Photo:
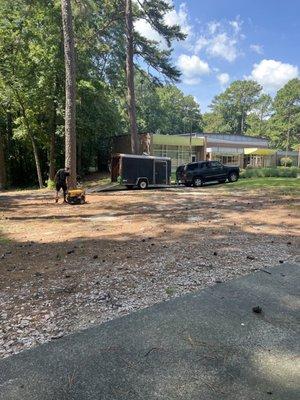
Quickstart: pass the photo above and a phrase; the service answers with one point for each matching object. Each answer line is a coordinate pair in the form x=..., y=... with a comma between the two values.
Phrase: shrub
x=274, y=172
x=286, y=161
x=50, y=184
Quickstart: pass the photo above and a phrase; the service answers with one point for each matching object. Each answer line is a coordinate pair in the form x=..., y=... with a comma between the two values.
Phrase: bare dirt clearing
x=68, y=267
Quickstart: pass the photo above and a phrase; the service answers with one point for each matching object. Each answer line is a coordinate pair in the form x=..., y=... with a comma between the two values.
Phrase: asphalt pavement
x=202, y=346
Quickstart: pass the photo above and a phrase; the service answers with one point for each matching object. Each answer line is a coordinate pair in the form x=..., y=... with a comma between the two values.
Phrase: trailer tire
x=143, y=184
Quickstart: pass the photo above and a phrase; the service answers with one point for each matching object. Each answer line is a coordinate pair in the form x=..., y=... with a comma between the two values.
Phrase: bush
x=286, y=161
x=274, y=172
x=50, y=184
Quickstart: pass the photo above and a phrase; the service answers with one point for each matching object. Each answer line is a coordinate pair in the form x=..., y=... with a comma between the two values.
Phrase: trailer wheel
x=143, y=184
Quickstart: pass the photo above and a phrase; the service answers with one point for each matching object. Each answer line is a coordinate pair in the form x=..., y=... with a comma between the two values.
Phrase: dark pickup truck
x=197, y=173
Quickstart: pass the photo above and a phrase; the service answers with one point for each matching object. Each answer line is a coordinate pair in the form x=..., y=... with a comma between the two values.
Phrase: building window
x=227, y=159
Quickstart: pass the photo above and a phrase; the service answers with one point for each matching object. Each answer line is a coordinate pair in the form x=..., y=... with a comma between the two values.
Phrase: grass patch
x=170, y=291
x=283, y=185
x=4, y=240
x=102, y=181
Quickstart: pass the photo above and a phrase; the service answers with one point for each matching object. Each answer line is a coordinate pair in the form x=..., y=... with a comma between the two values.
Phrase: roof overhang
x=177, y=140
x=259, y=152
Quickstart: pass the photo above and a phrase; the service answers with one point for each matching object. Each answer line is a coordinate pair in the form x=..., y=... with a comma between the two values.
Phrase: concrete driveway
x=207, y=345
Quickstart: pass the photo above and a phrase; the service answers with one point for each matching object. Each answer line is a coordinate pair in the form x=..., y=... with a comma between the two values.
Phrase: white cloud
x=180, y=18
x=213, y=26
x=221, y=39
x=257, y=48
x=200, y=44
x=223, y=78
x=223, y=46
x=236, y=24
x=272, y=74
x=192, y=68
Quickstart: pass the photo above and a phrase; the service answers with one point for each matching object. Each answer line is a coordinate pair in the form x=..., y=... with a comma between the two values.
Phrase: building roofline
x=143, y=156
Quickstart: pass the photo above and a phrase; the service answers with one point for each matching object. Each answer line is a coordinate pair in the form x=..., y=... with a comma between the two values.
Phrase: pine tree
x=152, y=11
x=70, y=78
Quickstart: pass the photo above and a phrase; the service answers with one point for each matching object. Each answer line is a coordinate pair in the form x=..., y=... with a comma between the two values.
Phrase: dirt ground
x=63, y=268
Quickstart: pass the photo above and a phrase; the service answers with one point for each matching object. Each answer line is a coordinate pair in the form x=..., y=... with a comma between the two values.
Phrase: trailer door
x=161, y=172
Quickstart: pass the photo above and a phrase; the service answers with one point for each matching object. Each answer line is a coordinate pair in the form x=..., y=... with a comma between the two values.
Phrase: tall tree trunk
x=34, y=147
x=79, y=156
x=70, y=107
x=2, y=164
x=130, y=77
x=53, y=143
x=37, y=161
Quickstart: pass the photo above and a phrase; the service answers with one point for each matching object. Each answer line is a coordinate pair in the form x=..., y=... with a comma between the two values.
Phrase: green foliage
x=235, y=103
x=32, y=77
x=270, y=172
x=286, y=161
x=50, y=184
x=165, y=109
x=284, y=125
x=214, y=122
x=32, y=86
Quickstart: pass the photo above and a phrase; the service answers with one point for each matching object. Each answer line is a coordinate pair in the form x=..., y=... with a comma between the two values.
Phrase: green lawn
x=284, y=185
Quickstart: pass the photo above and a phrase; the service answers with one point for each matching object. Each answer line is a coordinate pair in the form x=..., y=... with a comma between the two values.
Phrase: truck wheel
x=197, y=182
x=233, y=177
x=187, y=184
x=222, y=181
x=143, y=184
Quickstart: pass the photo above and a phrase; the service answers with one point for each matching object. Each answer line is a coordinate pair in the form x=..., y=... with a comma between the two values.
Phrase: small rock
x=215, y=253
x=281, y=261
x=250, y=258
x=70, y=251
x=289, y=243
x=257, y=310
x=95, y=256
x=58, y=336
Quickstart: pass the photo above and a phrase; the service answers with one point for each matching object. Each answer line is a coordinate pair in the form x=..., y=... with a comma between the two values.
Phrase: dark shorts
x=62, y=186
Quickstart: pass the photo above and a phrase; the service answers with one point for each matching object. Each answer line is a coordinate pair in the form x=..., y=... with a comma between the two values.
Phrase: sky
x=233, y=39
